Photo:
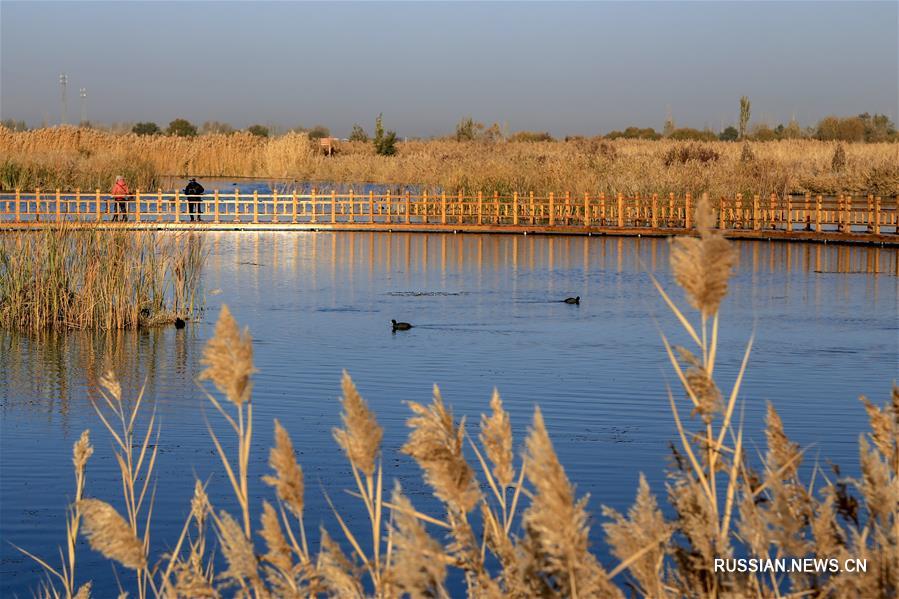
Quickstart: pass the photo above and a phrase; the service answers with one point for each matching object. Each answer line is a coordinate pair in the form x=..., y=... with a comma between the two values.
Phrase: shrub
x=468, y=129
x=216, y=127
x=181, y=128
x=318, y=132
x=729, y=134
x=258, y=130
x=839, y=158
x=683, y=154
x=148, y=128
x=635, y=133
x=385, y=141
x=358, y=134
x=531, y=136
x=688, y=134
x=746, y=154
x=834, y=128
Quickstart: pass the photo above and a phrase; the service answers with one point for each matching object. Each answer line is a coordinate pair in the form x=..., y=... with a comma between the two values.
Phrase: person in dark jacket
x=194, y=192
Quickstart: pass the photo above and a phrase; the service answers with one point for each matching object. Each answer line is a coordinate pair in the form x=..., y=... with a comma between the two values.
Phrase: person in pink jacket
x=120, y=193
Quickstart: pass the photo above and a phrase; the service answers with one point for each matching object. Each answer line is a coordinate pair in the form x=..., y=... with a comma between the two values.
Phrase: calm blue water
x=487, y=314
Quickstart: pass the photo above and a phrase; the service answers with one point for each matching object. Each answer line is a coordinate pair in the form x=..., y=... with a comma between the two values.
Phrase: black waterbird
x=573, y=300
x=401, y=326
x=179, y=323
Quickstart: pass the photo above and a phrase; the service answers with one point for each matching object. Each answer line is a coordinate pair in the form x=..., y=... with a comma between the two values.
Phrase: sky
x=563, y=67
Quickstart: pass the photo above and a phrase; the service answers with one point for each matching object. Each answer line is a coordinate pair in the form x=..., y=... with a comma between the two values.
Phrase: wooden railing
x=846, y=214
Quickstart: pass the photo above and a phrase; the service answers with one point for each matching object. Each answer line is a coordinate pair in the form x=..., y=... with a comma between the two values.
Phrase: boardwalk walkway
x=842, y=219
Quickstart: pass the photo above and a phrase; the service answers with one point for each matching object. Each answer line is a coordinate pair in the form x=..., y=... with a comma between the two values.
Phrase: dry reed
x=62, y=278
x=68, y=157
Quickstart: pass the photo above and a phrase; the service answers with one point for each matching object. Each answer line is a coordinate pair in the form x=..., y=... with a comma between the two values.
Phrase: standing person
x=194, y=191
x=120, y=193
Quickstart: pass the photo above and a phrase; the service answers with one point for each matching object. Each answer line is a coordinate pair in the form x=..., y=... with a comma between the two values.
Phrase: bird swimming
x=179, y=323
x=401, y=326
x=573, y=300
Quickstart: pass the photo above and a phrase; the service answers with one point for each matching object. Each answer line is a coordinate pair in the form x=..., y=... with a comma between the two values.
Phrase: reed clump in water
x=512, y=523
x=63, y=278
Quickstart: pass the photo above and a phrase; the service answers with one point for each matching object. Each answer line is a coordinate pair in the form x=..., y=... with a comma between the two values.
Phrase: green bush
x=147, y=128
x=181, y=128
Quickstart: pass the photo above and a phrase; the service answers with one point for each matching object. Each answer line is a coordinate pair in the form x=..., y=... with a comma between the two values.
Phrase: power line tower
x=83, y=94
x=63, y=80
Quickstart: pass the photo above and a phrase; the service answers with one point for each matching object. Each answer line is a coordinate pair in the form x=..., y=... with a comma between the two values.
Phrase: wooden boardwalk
x=841, y=219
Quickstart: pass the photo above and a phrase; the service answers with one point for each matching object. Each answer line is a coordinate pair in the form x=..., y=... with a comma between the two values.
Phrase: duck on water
x=573, y=300
x=400, y=326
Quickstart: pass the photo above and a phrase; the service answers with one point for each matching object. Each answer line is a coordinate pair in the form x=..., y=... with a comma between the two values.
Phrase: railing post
x=602, y=209
x=424, y=216
x=159, y=204
x=818, y=200
x=274, y=205
x=37, y=204
x=480, y=206
x=771, y=215
x=137, y=205
x=460, y=203
x=738, y=211
x=688, y=211
x=177, y=206
x=756, y=200
x=849, y=213
x=371, y=206
x=670, y=209
x=78, y=203
x=18, y=206
x=531, y=202
x=654, y=217
x=333, y=206
x=255, y=206
x=567, y=206
x=870, y=218
x=586, y=208
x=58, y=207
x=408, y=211
x=215, y=208
x=237, y=204
x=352, y=207
x=808, y=211
x=496, y=207
x=789, y=212
x=722, y=216
x=620, y=210
x=877, y=215
x=97, y=204
x=443, y=207
x=312, y=202
x=388, y=199
x=552, y=209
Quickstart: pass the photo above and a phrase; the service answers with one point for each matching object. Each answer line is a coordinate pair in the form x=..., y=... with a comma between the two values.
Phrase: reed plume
x=288, y=479
x=436, y=444
x=228, y=358
x=703, y=266
x=558, y=524
x=496, y=437
x=109, y=534
x=361, y=436
x=419, y=562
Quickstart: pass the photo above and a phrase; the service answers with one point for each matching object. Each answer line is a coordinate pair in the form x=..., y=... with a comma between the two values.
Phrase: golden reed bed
x=512, y=524
x=68, y=157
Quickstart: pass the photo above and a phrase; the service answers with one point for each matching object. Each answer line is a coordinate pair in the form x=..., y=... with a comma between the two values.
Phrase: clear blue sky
x=563, y=67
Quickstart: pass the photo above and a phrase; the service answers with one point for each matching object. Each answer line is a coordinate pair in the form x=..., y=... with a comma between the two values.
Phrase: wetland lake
x=487, y=313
